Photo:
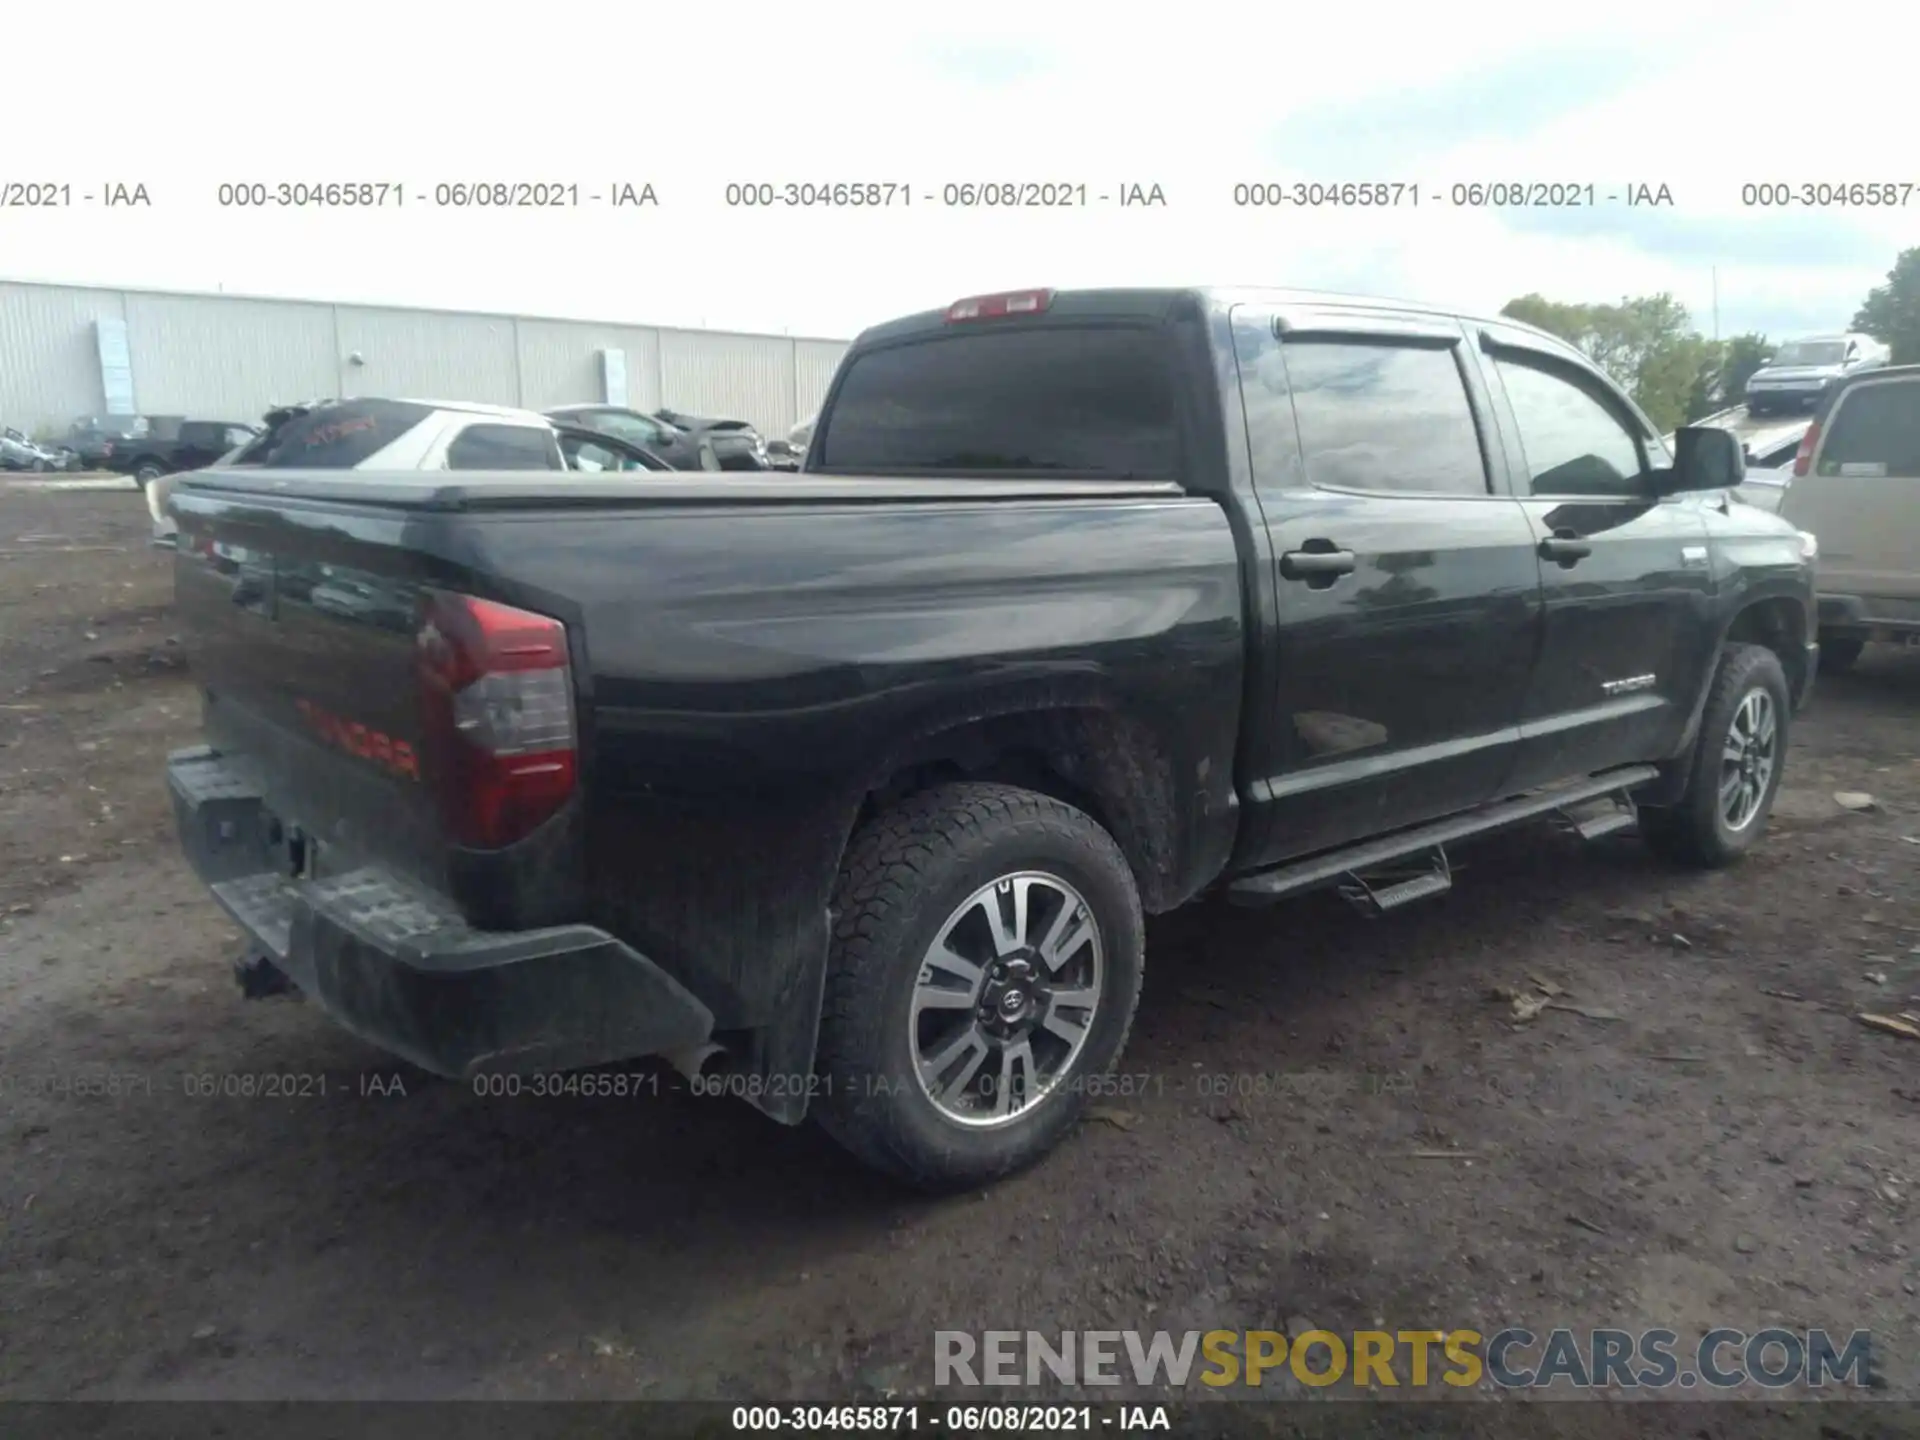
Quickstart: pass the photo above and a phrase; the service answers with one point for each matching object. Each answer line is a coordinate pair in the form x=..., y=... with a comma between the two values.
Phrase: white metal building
x=68, y=351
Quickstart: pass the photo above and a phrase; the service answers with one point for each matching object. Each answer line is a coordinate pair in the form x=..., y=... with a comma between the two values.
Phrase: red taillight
x=497, y=702
x=994, y=307
x=107, y=449
x=1803, y=457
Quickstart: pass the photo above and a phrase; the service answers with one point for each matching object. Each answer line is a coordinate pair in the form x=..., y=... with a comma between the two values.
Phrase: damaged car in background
x=686, y=442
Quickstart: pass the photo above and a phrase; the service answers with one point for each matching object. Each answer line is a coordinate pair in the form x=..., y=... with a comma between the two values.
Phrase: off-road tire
x=904, y=875
x=1694, y=831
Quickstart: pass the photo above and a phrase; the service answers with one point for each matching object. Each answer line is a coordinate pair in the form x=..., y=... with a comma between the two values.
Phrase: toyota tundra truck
x=855, y=783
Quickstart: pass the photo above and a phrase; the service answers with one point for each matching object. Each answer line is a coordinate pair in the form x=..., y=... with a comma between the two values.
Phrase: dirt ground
x=1716, y=1141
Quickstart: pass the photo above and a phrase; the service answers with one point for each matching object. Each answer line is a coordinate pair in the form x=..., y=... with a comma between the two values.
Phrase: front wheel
x=1735, y=769
x=147, y=472
x=986, y=960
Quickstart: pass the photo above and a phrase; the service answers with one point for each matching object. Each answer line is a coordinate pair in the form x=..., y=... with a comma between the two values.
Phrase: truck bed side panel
x=747, y=670
x=754, y=672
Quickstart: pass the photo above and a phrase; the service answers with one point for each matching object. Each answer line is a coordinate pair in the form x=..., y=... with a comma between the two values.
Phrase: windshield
x=640, y=430
x=1093, y=401
x=1811, y=352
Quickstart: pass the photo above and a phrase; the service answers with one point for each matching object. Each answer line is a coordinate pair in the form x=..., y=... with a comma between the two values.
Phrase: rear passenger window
x=1574, y=443
x=1375, y=415
x=334, y=437
x=504, y=447
x=1875, y=431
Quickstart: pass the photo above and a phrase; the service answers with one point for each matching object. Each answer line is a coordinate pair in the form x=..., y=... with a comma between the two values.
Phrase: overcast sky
x=1195, y=97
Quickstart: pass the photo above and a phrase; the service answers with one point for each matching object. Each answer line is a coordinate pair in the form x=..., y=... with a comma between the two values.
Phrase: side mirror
x=1705, y=458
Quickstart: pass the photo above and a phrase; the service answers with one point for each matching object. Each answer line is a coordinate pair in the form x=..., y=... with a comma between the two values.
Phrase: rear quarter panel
x=751, y=674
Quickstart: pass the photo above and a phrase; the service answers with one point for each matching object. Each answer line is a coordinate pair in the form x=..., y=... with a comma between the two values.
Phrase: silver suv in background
x=1801, y=370
x=1856, y=486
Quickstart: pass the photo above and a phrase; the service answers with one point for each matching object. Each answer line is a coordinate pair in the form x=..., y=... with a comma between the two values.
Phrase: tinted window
x=1380, y=416
x=1575, y=444
x=504, y=447
x=1875, y=425
x=334, y=437
x=1062, y=401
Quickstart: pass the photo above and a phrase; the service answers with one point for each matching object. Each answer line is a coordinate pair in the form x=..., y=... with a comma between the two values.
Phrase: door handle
x=1321, y=565
x=1565, y=547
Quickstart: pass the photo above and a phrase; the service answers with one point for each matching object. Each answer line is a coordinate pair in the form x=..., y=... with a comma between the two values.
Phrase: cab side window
x=1575, y=443
x=1373, y=414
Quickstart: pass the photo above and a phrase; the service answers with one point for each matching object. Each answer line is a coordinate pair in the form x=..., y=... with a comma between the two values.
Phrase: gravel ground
x=1698, y=1131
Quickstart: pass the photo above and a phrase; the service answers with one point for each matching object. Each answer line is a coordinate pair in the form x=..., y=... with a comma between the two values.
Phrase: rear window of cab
x=1068, y=401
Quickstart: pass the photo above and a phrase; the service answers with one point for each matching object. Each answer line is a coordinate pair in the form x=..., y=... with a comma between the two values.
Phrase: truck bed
x=750, y=657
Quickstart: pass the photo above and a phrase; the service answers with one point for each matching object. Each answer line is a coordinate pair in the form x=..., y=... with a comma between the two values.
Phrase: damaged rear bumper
x=398, y=966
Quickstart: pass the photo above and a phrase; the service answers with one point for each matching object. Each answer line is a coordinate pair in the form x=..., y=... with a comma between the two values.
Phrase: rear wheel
x=986, y=961
x=147, y=471
x=1839, y=652
x=1736, y=765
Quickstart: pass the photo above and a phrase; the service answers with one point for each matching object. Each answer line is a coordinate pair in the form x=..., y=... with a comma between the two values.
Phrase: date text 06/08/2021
x=1002, y=194
x=1119, y=1085
x=1461, y=194
x=957, y=1419
x=478, y=194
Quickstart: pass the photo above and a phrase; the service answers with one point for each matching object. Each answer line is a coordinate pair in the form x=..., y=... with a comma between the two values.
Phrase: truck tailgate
x=305, y=654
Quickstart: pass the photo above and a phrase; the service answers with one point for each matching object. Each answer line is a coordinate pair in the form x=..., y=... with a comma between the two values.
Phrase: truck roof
x=1152, y=303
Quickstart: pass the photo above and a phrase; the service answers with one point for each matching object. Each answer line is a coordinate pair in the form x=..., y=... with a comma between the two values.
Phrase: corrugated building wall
x=223, y=357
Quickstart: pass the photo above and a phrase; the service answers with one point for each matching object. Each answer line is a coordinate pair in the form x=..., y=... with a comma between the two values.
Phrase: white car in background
x=374, y=434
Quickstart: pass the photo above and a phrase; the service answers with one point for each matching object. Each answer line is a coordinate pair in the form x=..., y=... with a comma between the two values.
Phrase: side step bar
x=1434, y=874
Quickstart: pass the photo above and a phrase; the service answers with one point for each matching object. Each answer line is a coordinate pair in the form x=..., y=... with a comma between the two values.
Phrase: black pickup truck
x=847, y=790
x=171, y=447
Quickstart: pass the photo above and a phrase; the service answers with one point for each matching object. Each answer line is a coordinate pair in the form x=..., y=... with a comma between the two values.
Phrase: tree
x=1569, y=322
x=1892, y=311
x=1646, y=343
